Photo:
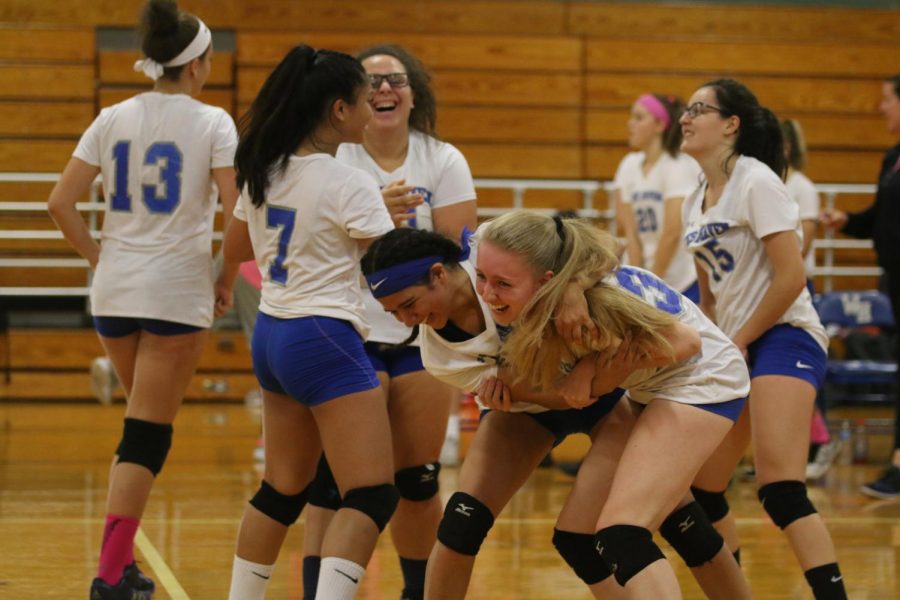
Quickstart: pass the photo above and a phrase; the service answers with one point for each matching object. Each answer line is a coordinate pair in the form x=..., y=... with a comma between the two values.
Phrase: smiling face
x=505, y=282
x=392, y=105
x=426, y=304
x=709, y=132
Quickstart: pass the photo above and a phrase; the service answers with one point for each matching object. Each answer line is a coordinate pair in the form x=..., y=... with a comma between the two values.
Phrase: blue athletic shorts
x=788, y=350
x=730, y=410
x=394, y=361
x=692, y=292
x=311, y=359
x=116, y=327
x=563, y=423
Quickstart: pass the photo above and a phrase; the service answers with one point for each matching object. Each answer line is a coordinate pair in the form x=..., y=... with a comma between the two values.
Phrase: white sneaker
x=824, y=458
x=103, y=380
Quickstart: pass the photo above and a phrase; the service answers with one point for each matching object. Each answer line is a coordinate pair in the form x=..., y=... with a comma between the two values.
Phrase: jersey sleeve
x=88, y=148
x=807, y=199
x=454, y=182
x=362, y=209
x=241, y=208
x=624, y=174
x=224, y=142
x=769, y=207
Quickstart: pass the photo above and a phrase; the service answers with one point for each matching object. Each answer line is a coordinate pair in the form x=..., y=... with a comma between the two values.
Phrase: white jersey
x=438, y=172
x=804, y=192
x=727, y=240
x=304, y=238
x=464, y=365
x=717, y=374
x=647, y=194
x=155, y=152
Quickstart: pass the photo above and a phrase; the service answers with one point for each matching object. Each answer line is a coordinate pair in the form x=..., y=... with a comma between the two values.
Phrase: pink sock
x=117, y=550
x=818, y=434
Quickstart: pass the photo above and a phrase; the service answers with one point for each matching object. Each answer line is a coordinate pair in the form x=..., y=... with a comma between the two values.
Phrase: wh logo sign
x=859, y=309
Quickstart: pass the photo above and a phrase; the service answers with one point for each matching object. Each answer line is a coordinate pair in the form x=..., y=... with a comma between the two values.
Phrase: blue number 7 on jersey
x=276, y=217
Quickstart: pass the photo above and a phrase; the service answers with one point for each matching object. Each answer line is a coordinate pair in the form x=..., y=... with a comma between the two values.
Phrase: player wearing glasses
x=426, y=184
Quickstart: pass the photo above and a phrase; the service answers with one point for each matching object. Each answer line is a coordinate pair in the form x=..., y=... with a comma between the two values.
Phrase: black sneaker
x=100, y=590
x=137, y=580
x=885, y=487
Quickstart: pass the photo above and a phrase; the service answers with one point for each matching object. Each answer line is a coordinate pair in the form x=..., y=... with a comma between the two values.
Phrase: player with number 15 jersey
x=157, y=231
x=727, y=241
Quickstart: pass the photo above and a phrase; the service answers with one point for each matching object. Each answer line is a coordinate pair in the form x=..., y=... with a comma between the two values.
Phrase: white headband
x=197, y=47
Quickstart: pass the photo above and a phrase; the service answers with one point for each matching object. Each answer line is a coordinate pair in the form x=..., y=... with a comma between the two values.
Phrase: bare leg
x=505, y=451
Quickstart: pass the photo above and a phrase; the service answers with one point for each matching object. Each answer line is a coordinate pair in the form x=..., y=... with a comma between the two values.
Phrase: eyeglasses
x=698, y=108
x=395, y=80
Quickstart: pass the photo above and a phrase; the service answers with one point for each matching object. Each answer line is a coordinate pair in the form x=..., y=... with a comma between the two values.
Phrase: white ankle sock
x=249, y=580
x=338, y=579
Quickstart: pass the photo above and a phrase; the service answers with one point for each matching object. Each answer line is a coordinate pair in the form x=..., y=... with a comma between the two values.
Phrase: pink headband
x=655, y=108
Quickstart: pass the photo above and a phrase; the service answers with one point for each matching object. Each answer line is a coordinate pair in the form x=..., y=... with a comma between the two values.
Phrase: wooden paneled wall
x=525, y=88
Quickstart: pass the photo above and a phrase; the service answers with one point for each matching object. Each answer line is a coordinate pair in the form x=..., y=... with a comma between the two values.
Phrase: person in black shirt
x=881, y=222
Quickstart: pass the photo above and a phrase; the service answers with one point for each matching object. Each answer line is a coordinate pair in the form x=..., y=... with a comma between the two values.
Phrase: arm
x=809, y=234
x=669, y=238
x=628, y=229
x=707, y=300
x=74, y=183
x=789, y=279
x=450, y=220
x=236, y=249
x=228, y=192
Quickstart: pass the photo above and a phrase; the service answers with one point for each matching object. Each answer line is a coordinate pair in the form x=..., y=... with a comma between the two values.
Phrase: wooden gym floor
x=54, y=460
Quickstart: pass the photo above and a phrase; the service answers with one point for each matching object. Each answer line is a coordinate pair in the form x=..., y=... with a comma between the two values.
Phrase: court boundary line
x=164, y=574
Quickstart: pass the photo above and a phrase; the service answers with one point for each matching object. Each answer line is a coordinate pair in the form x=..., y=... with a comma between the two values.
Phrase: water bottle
x=846, y=434
x=860, y=444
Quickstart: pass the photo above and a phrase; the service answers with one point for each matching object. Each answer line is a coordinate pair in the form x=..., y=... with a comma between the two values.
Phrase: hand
x=572, y=319
x=575, y=388
x=833, y=218
x=494, y=394
x=400, y=202
x=224, y=299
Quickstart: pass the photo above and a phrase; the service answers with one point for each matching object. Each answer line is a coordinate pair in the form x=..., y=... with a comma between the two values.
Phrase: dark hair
x=423, y=116
x=403, y=245
x=293, y=101
x=759, y=134
x=671, y=136
x=165, y=31
x=794, y=144
x=895, y=80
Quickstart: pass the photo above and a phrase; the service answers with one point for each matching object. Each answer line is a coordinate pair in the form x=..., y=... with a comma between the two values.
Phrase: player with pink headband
x=165, y=159
x=648, y=189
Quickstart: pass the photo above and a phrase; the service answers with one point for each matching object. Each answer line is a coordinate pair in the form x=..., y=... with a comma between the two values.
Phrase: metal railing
x=518, y=188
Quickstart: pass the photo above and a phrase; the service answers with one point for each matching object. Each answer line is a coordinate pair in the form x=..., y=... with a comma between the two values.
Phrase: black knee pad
x=377, y=501
x=577, y=549
x=323, y=491
x=465, y=524
x=691, y=535
x=418, y=483
x=145, y=443
x=785, y=501
x=277, y=506
x=627, y=550
x=714, y=504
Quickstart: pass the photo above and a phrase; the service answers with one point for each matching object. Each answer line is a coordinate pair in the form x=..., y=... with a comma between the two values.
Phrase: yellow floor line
x=164, y=575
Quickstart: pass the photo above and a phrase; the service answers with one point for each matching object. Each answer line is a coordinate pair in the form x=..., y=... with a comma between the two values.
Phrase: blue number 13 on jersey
x=284, y=218
x=168, y=157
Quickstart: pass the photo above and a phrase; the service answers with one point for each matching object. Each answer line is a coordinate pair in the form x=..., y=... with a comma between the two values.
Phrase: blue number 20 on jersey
x=162, y=197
